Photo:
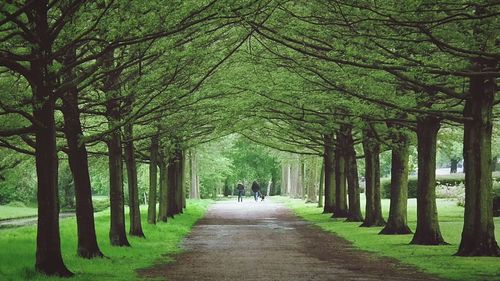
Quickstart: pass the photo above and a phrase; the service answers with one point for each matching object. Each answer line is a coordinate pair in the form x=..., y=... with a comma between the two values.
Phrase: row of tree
x=84, y=78
x=386, y=75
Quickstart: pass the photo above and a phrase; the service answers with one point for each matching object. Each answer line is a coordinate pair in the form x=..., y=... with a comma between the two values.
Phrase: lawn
x=10, y=212
x=17, y=255
x=438, y=260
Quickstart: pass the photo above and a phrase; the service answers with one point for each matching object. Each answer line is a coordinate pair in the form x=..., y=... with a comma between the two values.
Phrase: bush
x=18, y=204
x=496, y=198
x=450, y=191
x=385, y=187
x=447, y=184
x=100, y=204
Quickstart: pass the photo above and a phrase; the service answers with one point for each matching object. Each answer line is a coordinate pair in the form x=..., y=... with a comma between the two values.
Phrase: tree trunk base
x=433, y=239
x=137, y=233
x=339, y=214
x=354, y=218
x=489, y=249
x=373, y=223
x=59, y=270
x=119, y=242
x=395, y=230
x=327, y=210
x=89, y=253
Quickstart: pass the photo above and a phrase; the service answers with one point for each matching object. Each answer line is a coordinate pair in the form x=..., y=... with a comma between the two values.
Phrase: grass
x=437, y=260
x=17, y=255
x=11, y=212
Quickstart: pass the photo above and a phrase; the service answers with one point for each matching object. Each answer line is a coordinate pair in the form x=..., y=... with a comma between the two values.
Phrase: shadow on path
x=266, y=241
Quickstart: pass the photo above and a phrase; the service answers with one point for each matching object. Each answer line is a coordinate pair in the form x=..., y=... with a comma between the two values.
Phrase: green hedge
x=449, y=180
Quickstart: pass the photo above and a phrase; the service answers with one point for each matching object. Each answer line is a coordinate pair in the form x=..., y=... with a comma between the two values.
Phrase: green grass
x=17, y=254
x=438, y=260
x=10, y=212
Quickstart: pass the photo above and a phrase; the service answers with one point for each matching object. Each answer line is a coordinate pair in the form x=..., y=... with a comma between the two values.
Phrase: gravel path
x=266, y=241
x=12, y=223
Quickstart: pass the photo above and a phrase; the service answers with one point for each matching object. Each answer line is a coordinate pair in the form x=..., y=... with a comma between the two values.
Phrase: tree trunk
x=172, y=186
x=48, y=247
x=478, y=236
x=329, y=163
x=301, y=179
x=162, y=212
x=373, y=211
x=397, y=221
x=321, y=185
x=178, y=181
x=340, y=209
x=294, y=179
x=194, y=192
x=153, y=179
x=78, y=162
x=311, y=179
x=427, y=231
x=454, y=165
x=117, y=234
x=354, y=211
x=133, y=188
x=183, y=180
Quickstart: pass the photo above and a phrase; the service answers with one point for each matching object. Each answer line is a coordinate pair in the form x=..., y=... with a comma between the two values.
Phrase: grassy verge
x=10, y=212
x=17, y=255
x=438, y=260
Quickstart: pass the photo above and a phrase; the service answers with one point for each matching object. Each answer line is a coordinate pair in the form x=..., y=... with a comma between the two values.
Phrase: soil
x=266, y=241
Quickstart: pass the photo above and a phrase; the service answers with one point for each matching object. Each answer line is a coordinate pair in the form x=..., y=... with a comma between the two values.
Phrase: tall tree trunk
x=454, y=165
x=117, y=234
x=373, y=213
x=427, y=231
x=180, y=180
x=78, y=162
x=48, y=247
x=172, y=186
x=133, y=188
x=311, y=179
x=354, y=211
x=478, y=236
x=294, y=179
x=194, y=191
x=321, y=189
x=301, y=179
x=340, y=210
x=397, y=221
x=153, y=179
x=183, y=180
x=329, y=163
x=162, y=212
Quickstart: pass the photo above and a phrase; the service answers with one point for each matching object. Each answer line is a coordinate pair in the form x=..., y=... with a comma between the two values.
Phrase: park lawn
x=17, y=255
x=437, y=260
x=11, y=212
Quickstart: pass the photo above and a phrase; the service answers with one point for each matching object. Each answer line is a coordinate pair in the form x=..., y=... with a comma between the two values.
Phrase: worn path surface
x=266, y=241
x=18, y=222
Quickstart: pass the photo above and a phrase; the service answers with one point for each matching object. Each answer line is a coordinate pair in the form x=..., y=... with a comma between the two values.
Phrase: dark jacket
x=240, y=187
x=255, y=186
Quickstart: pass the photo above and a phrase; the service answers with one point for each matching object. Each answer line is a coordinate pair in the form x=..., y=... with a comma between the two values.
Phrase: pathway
x=18, y=222
x=266, y=241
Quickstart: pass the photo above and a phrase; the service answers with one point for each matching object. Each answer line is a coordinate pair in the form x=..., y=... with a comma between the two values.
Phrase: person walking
x=256, y=190
x=241, y=191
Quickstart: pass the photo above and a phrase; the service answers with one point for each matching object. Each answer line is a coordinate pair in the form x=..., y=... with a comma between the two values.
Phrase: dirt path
x=12, y=223
x=265, y=241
